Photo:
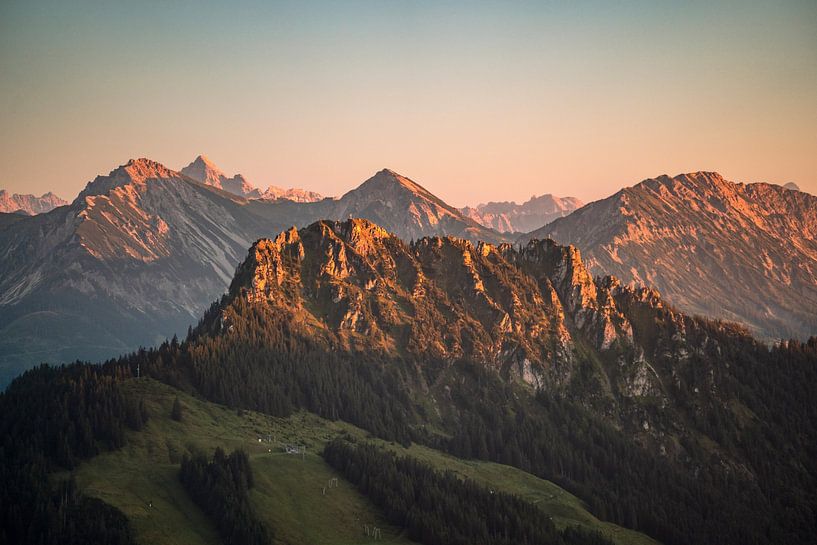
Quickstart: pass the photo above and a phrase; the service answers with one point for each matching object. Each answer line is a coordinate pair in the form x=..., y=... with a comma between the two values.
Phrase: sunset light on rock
x=447, y=273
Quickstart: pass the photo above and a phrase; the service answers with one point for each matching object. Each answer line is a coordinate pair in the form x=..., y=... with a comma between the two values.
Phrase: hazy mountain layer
x=205, y=171
x=509, y=217
x=29, y=204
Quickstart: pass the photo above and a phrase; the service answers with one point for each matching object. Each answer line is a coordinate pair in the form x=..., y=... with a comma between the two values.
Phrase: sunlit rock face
x=743, y=252
x=521, y=310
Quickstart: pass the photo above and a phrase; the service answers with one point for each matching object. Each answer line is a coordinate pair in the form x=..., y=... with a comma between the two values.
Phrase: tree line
x=52, y=418
x=439, y=508
x=220, y=487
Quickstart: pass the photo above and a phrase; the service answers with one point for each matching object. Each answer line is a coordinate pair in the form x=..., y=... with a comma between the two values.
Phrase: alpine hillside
x=743, y=252
x=133, y=260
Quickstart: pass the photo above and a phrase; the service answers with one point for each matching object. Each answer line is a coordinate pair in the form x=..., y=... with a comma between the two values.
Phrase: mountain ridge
x=29, y=204
x=508, y=217
x=743, y=252
x=203, y=170
x=148, y=249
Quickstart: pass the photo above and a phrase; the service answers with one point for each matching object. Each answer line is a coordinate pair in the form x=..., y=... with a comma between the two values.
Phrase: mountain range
x=509, y=217
x=205, y=171
x=361, y=345
x=142, y=251
x=28, y=204
x=149, y=248
x=741, y=252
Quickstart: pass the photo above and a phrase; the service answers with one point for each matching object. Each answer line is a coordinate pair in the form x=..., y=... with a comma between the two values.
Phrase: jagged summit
x=441, y=295
x=135, y=171
x=510, y=217
x=203, y=170
x=29, y=205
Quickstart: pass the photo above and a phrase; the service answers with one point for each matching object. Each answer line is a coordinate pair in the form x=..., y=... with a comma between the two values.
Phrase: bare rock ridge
x=522, y=310
x=28, y=204
x=743, y=252
x=509, y=217
x=205, y=171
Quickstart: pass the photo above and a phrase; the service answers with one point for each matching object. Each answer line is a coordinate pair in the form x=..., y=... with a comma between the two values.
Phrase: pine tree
x=176, y=412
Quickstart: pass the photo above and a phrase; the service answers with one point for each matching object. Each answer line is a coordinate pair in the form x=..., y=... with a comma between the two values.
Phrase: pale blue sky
x=476, y=101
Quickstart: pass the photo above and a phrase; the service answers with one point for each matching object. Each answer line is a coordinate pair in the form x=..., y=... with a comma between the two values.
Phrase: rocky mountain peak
x=135, y=171
x=403, y=206
x=363, y=286
x=389, y=180
x=203, y=170
x=691, y=236
x=139, y=170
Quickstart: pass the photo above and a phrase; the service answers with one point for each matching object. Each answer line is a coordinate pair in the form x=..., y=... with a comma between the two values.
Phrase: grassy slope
x=289, y=489
x=563, y=507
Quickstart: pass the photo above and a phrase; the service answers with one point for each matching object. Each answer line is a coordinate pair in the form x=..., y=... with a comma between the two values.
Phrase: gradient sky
x=475, y=101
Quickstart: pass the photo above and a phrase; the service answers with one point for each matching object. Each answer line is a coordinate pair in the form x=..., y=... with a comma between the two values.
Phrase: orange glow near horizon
x=474, y=104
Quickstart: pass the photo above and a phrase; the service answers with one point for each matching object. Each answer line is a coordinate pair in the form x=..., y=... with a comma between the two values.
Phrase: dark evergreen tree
x=220, y=487
x=176, y=411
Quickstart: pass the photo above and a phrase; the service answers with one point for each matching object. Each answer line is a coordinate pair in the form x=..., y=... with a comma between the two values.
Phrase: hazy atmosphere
x=491, y=101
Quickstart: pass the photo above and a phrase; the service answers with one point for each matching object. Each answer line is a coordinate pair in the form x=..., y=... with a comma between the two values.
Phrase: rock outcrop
x=521, y=310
